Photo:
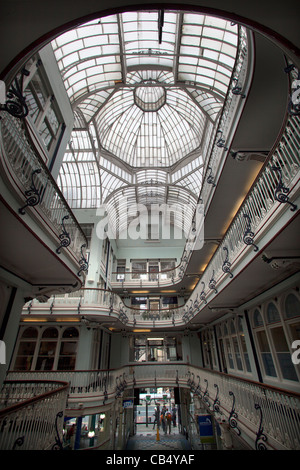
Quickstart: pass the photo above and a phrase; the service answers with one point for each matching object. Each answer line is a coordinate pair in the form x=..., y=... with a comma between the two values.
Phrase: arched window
x=68, y=349
x=26, y=349
x=257, y=319
x=272, y=313
x=292, y=306
x=274, y=339
x=47, y=349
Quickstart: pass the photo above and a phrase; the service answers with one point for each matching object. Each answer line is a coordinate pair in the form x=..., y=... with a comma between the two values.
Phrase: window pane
x=25, y=355
x=283, y=354
x=29, y=333
x=292, y=306
x=266, y=354
x=46, y=355
x=272, y=313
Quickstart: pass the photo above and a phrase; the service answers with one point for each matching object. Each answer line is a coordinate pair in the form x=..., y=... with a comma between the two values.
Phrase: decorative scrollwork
x=198, y=390
x=249, y=235
x=281, y=190
x=210, y=178
x=232, y=420
x=58, y=444
x=206, y=394
x=33, y=194
x=260, y=436
x=83, y=262
x=237, y=90
x=216, y=403
x=16, y=103
x=221, y=141
x=64, y=237
x=18, y=442
x=202, y=293
x=226, y=264
x=212, y=283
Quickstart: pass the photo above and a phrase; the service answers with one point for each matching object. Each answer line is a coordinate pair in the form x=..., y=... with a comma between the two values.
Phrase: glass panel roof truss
x=143, y=108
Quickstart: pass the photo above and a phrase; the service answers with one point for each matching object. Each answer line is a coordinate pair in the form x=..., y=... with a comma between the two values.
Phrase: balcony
x=35, y=214
x=264, y=417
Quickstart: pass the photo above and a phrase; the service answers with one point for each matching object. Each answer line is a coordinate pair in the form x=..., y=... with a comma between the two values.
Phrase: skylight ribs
x=153, y=104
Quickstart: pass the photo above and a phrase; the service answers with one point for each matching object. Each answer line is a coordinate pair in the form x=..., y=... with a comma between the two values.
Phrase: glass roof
x=147, y=89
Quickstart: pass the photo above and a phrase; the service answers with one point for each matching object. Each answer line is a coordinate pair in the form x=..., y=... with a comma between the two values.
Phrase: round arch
x=33, y=24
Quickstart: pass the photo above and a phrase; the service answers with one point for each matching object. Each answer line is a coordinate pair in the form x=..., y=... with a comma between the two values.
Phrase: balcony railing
x=34, y=185
x=33, y=415
x=268, y=416
x=105, y=302
x=271, y=191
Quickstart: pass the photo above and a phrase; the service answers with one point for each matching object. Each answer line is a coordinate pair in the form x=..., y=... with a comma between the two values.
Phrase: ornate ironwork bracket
x=58, y=444
x=64, y=237
x=33, y=194
x=206, y=394
x=232, y=420
x=83, y=262
x=260, y=436
x=226, y=264
x=216, y=403
x=212, y=283
x=221, y=141
x=202, y=293
x=16, y=103
x=198, y=390
x=281, y=190
x=18, y=442
x=248, y=235
x=237, y=90
x=210, y=178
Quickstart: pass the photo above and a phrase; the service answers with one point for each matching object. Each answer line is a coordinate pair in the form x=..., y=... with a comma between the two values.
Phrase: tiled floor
x=148, y=439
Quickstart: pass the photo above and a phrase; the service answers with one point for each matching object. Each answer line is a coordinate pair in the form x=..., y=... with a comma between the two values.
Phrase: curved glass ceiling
x=147, y=90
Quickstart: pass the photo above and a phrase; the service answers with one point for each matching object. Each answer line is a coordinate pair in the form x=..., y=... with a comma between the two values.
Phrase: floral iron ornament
x=16, y=102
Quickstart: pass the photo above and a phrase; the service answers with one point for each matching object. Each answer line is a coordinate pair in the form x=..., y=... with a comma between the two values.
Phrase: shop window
x=139, y=270
x=68, y=349
x=47, y=349
x=266, y=354
x=243, y=345
x=283, y=354
x=26, y=349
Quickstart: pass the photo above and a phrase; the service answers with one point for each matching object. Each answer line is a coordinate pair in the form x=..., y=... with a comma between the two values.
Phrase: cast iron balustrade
x=30, y=177
x=268, y=416
x=33, y=415
x=260, y=205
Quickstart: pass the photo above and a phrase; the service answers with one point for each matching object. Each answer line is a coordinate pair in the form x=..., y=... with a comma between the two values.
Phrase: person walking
x=168, y=421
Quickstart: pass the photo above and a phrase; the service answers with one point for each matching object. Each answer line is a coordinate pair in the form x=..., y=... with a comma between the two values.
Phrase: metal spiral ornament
x=281, y=191
x=232, y=420
x=249, y=235
x=58, y=444
x=226, y=264
x=83, y=262
x=33, y=194
x=16, y=104
x=64, y=237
